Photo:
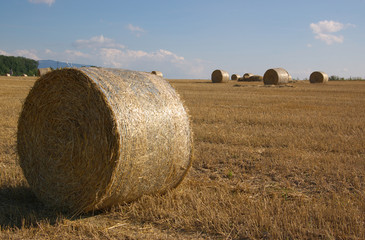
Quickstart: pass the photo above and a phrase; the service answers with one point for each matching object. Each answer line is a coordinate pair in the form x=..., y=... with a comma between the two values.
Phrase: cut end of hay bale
x=91, y=138
x=220, y=76
x=318, y=77
x=158, y=73
x=235, y=77
x=276, y=76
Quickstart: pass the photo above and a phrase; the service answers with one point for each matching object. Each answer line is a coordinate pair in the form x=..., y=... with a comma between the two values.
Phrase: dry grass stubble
x=274, y=163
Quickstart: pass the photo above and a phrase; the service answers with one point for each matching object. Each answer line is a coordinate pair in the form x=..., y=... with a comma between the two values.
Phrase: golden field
x=271, y=162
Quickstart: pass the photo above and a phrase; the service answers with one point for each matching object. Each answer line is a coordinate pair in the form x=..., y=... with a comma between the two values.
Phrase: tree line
x=18, y=66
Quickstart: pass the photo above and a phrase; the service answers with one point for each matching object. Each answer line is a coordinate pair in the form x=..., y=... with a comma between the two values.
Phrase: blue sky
x=191, y=38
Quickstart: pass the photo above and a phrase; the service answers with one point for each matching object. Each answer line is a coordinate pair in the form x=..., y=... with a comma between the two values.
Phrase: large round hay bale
x=255, y=78
x=276, y=76
x=219, y=76
x=158, y=73
x=318, y=77
x=235, y=77
x=90, y=138
x=43, y=71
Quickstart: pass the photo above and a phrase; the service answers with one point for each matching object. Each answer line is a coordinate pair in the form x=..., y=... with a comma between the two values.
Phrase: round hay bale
x=247, y=76
x=90, y=138
x=220, y=76
x=43, y=71
x=255, y=78
x=158, y=73
x=318, y=77
x=276, y=76
x=235, y=77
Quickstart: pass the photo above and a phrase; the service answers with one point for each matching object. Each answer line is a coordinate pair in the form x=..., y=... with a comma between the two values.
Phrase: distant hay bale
x=8, y=74
x=250, y=77
x=220, y=76
x=90, y=138
x=276, y=76
x=318, y=77
x=290, y=78
x=25, y=75
x=255, y=78
x=235, y=77
x=247, y=76
x=158, y=73
x=43, y=71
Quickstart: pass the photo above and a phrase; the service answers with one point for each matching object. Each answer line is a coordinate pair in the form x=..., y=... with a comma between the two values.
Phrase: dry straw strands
x=276, y=76
x=219, y=76
x=158, y=73
x=90, y=138
x=43, y=71
x=318, y=77
x=235, y=77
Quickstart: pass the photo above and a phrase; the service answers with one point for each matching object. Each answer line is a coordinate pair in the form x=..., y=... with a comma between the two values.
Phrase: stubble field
x=282, y=162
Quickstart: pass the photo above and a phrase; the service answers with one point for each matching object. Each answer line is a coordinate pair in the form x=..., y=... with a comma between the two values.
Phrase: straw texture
x=276, y=76
x=235, y=77
x=90, y=138
x=318, y=77
x=158, y=73
x=43, y=71
x=220, y=76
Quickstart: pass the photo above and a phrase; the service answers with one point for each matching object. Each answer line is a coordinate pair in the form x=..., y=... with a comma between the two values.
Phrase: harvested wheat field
x=270, y=162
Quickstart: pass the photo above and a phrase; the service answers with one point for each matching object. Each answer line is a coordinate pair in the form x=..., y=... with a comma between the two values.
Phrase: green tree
x=19, y=65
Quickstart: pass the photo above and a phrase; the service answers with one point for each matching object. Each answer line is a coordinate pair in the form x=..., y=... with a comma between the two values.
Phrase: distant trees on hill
x=17, y=66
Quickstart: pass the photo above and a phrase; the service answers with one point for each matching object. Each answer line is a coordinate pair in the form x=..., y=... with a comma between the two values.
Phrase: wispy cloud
x=97, y=42
x=136, y=30
x=49, y=2
x=107, y=52
x=32, y=54
x=2, y=52
x=325, y=31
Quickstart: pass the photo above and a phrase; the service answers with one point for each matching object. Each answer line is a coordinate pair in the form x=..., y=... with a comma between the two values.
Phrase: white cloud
x=32, y=54
x=106, y=52
x=2, y=52
x=49, y=2
x=73, y=53
x=97, y=42
x=48, y=51
x=329, y=38
x=324, y=31
x=136, y=30
x=309, y=45
x=163, y=60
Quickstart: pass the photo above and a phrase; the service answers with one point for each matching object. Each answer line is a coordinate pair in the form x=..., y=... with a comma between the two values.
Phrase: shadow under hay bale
x=91, y=138
x=318, y=77
x=220, y=76
x=276, y=76
x=158, y=73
